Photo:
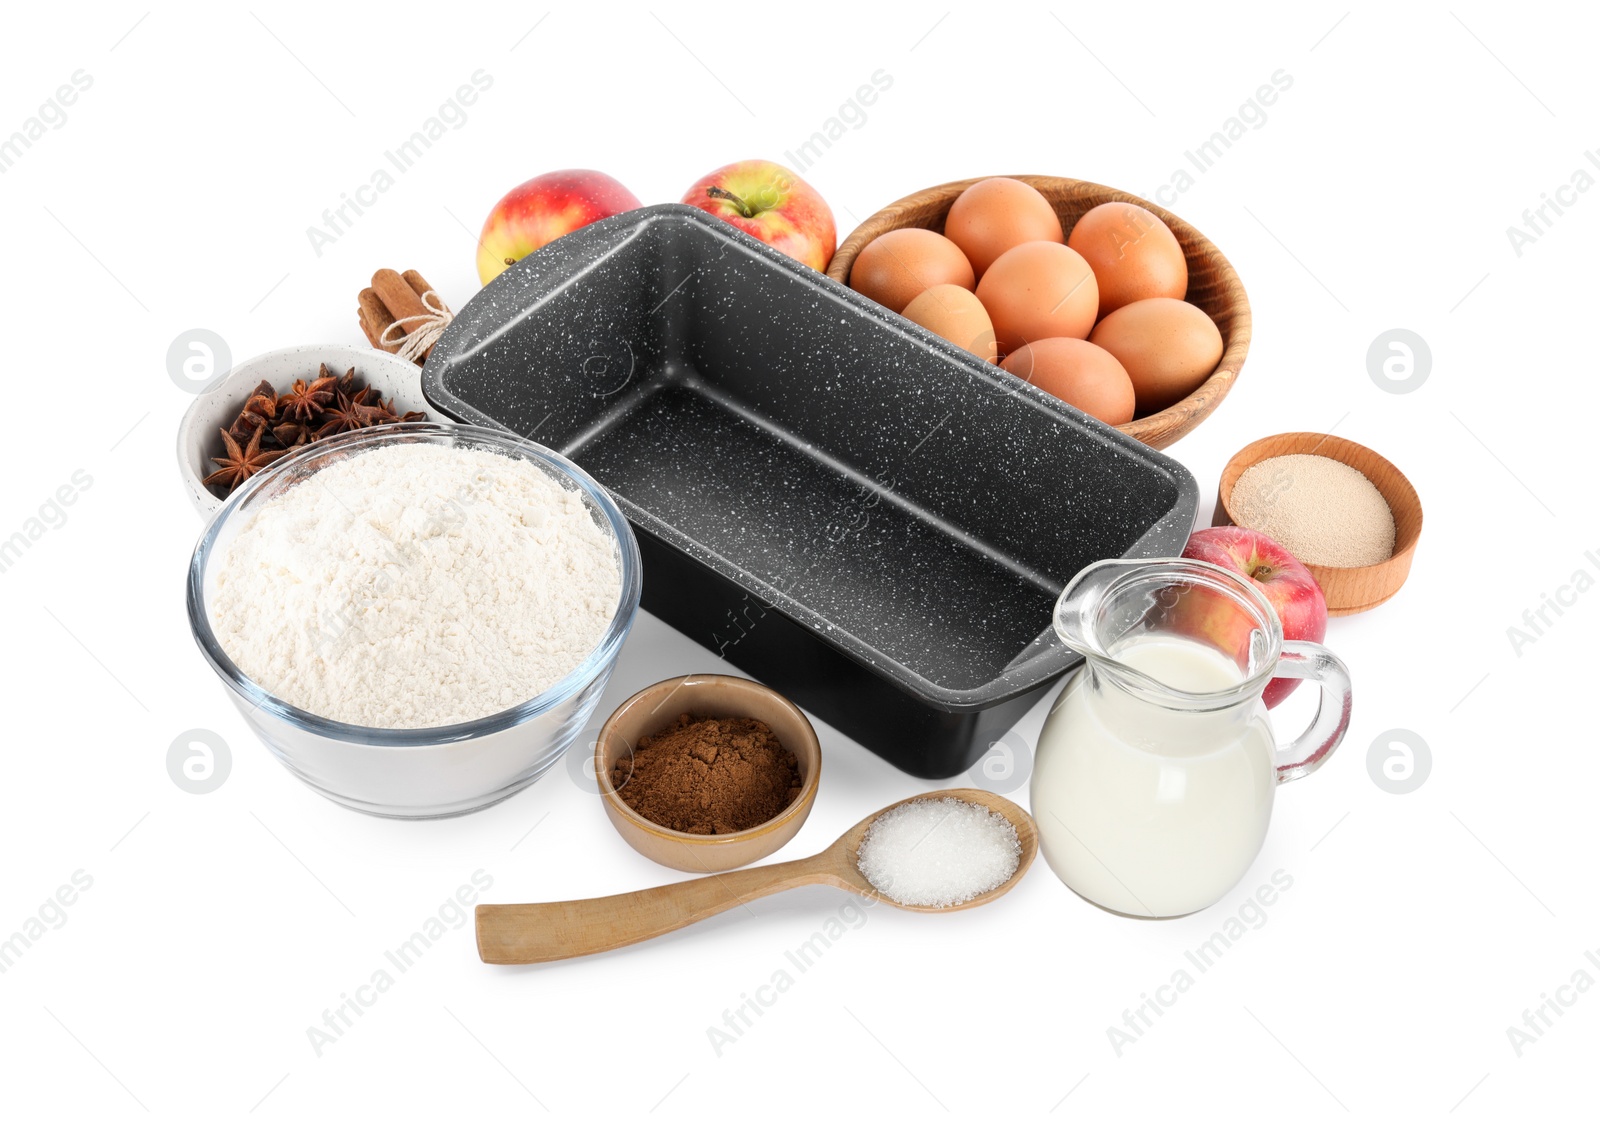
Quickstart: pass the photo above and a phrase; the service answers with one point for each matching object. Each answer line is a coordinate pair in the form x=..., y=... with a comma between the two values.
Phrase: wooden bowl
x=1348, y=589
x=1213, y=285
x=717, y=696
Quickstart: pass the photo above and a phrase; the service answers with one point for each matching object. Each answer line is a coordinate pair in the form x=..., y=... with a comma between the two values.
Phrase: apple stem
x=744, y=209
x=1261, y=573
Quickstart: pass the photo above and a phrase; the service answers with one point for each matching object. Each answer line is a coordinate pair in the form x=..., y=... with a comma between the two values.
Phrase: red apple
x=1288, y=586
x=769, y=202
x=538, y=212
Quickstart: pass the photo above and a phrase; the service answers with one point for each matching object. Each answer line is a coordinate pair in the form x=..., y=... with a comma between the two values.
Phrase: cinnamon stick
x=397, y=295
x=375, y=320
x=419, y=284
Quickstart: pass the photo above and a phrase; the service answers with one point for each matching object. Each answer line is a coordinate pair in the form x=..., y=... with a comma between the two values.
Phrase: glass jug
x=1156, y=768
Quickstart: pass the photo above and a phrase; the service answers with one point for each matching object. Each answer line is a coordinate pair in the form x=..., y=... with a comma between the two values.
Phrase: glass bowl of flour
x=417, y=619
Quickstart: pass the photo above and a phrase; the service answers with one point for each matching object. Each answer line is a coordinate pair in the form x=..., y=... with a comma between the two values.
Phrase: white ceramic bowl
x=428, y=772
x=198, y=434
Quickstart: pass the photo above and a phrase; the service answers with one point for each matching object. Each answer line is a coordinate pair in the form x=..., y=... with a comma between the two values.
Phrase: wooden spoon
x=537, y=933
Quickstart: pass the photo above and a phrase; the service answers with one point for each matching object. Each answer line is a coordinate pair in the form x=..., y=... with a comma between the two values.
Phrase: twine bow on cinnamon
x=402, y=314
x=413, y=337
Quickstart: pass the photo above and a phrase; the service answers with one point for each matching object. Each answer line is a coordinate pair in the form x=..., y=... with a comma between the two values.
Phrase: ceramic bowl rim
x=185, y=437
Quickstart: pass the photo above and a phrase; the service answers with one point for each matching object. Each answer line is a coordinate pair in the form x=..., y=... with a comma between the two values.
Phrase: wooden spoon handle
x=534, y=934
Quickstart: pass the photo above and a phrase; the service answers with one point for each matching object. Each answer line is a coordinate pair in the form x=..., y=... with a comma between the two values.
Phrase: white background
x=219, y=927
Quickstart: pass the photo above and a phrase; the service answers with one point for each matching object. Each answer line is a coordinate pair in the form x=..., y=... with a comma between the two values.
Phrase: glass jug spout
x=1078, y=606
x=1117, y=603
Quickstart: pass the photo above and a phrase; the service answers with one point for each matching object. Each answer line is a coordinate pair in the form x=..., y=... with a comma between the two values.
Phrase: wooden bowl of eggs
x=1108, y=301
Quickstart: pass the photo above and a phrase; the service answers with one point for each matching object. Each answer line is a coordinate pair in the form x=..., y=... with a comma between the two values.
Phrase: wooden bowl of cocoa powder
x=722, y=751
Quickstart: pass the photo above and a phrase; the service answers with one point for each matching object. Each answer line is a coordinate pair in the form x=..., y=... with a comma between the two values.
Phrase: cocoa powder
x=709, y=776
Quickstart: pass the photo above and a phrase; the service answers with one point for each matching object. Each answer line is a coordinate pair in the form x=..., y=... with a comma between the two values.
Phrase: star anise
x=306, y=400
x=384, y=412
x=292, y=434
x=241, y=464
x=376, y=415
x=272, y=425
x=260, y=409
x=348, y=412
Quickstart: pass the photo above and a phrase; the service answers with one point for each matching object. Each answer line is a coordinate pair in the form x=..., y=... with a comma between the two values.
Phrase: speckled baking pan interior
x=811, y=476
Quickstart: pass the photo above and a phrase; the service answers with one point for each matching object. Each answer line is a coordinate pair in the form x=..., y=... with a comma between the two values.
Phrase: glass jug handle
x=1301, y=659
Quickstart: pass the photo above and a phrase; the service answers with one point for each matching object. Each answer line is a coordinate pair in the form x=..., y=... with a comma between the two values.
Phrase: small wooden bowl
x=719, y=696
x=1348, y=589
x=1213, y=285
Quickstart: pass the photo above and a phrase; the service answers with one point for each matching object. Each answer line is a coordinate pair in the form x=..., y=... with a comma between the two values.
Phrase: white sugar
x=938, y=852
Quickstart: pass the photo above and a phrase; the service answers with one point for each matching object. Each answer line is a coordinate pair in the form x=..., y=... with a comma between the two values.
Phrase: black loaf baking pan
x=842, y=504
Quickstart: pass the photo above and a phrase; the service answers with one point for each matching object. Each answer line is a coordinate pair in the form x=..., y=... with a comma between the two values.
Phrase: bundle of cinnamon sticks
x=394, y=308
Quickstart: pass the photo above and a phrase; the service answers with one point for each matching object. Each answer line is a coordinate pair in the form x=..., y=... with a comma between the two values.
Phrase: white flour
x=416, y=585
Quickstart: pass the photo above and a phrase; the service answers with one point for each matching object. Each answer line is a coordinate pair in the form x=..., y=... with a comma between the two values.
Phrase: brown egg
x=1134, y=255
x=1167, y=346
x=993, y=215
x=954, y=313
x=1078, y=373
x=1038, y=290
x=899, y=264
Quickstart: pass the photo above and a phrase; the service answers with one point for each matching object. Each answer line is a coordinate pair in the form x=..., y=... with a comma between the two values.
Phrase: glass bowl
x=427, y=772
